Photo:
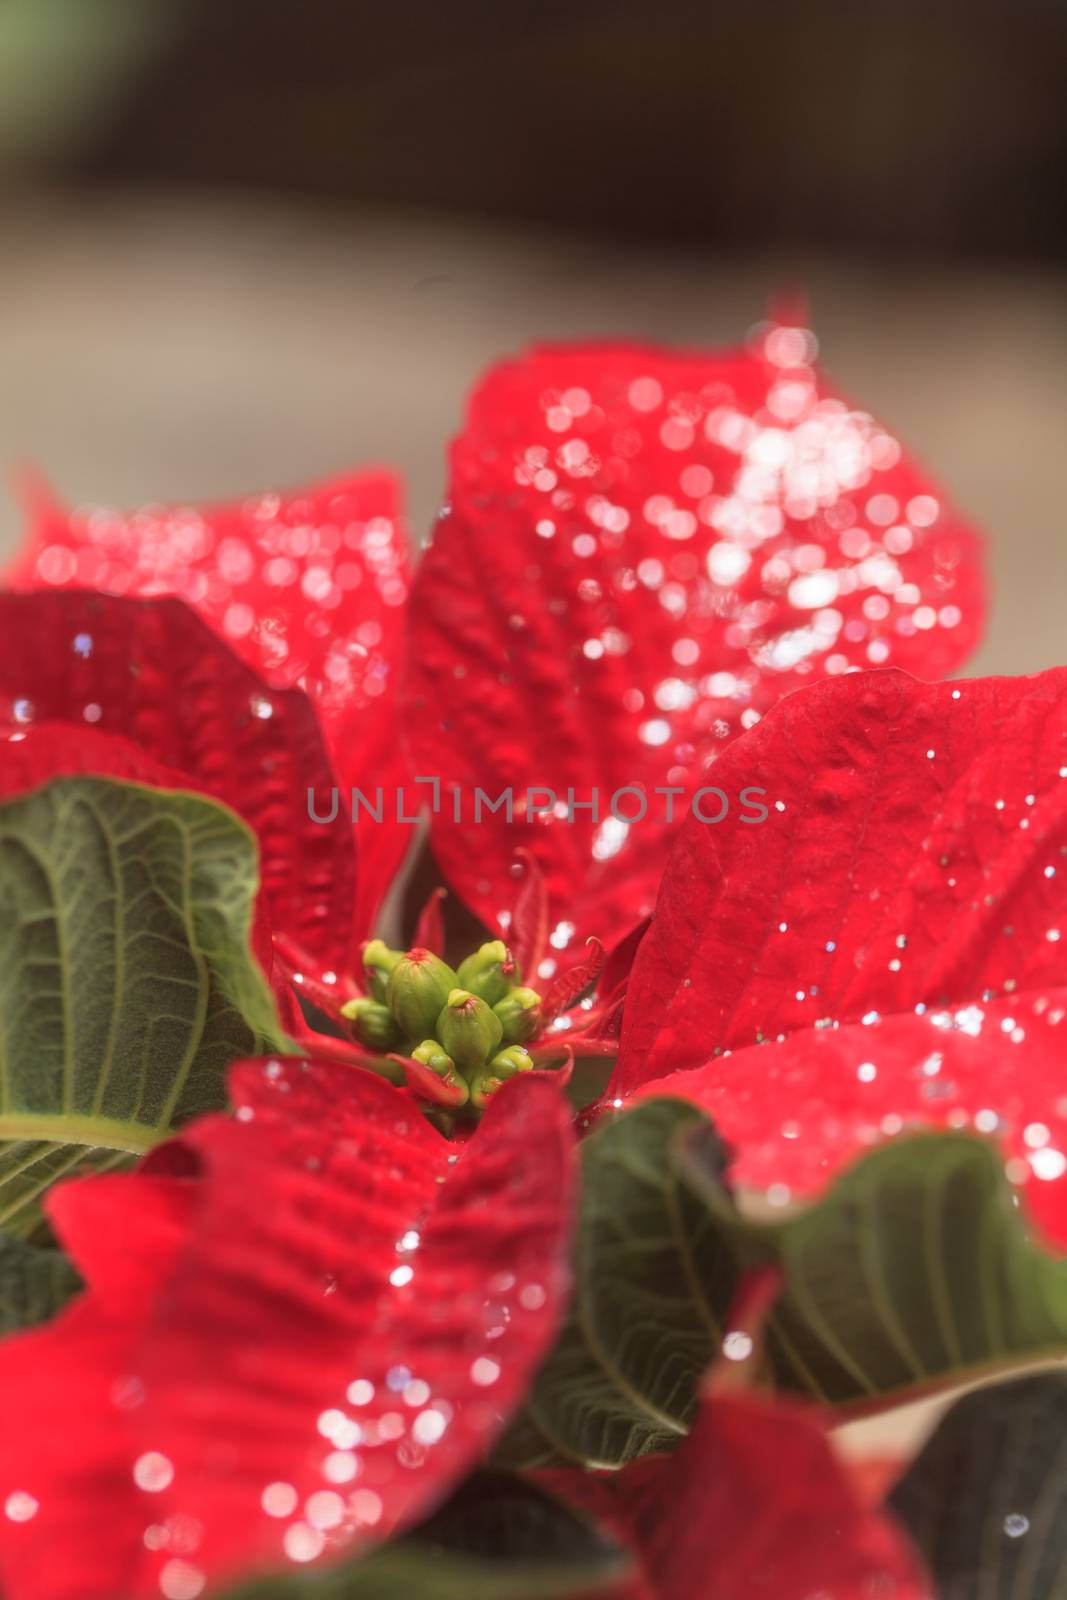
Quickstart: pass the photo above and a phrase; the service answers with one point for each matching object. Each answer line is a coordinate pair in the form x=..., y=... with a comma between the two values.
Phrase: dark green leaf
x=127, y=984
x=498, y=1538
x=913, y=1269
x=34, y=1283
x=654, y=1278
x=986, y=1500
x=589, y=1078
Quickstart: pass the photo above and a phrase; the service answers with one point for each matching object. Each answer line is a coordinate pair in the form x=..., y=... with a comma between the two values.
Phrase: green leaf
x=498, y=1538
x=34, y=1283
x=913, y=1270
x=986, y=1500
x=653, y=1283
x=127, y=984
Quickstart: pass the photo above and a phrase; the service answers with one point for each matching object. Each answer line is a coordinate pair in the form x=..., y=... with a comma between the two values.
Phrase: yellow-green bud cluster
x=469, y=1026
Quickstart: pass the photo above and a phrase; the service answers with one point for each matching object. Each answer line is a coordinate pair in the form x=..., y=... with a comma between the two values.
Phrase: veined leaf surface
x=986, y=1500
x=127, y=984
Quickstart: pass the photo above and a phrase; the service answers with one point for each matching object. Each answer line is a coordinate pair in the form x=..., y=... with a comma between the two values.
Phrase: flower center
x=454, y=1034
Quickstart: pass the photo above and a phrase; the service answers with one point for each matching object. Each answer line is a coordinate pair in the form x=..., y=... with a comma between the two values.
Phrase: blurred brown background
x=247, y=243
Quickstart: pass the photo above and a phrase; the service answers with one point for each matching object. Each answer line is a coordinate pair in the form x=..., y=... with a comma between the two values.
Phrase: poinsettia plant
x=503, y=1057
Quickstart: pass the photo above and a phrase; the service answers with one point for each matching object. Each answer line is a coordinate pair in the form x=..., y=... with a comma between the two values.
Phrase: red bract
x=308, y=589
x=643, y=549
x=302, y=1344
x=36, y=754
x=752, y=1504
x=886, y=948
x=153, y=674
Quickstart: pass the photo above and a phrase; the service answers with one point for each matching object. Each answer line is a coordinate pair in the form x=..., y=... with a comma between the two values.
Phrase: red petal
x=328, y=991
x=355, y=1337
x=92, y=1216
x=426, y=1085
x=71, y=1519
x=34, y=755
x=644, y=548
x=529, y=925
x=308, y=588
x=73, y=1522
x=798, y=1112
x=620, y=962
x=153, y=674
x=912, y=855
x=565, y=990
x=430, y=928
x=753, y=1504
x=561, y=1055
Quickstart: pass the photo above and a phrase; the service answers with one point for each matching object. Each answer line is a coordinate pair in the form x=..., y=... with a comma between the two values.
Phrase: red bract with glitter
x=642, y=550
x=151, y=674
x=888, y=949
x=308, y=589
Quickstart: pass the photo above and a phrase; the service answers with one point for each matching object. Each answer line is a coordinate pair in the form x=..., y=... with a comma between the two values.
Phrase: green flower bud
x=483, y=1086
x=433, y=1055
x=468, y=1029
x=372, y=1023
x=378, y=963
x=489, y=973
x=419, y=985
x=512, y=1059
x=519, y=1014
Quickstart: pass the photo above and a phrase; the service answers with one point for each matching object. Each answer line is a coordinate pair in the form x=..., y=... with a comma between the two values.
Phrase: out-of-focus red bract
x=311, y=1337
x=752, y=1504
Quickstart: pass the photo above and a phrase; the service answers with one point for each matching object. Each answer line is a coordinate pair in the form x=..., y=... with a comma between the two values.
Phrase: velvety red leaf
x=886, y=948
x=428, y=1087
x=308, y=588
x=153, y=674
x=430, y=928
x=642, y=551
x=904, y=861
x=59, y=1442
x=125, y=1251
x=357, y=1306
x=563, y=991
x=38, y=752
x=71, y=1520
x=619, y=964
x=529, y=924
x=752, y=1504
